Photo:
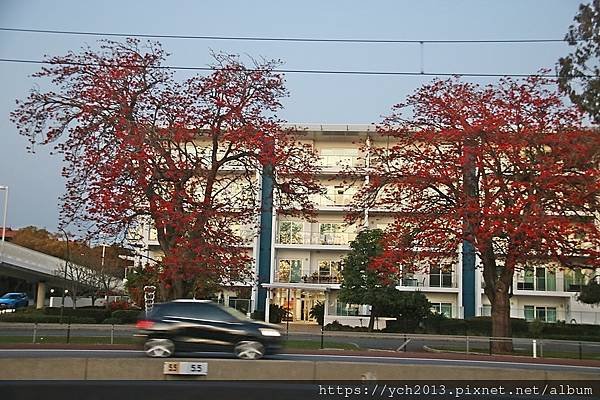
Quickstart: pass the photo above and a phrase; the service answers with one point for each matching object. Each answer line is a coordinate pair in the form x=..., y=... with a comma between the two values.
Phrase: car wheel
x=159, y=348
x=249, y=350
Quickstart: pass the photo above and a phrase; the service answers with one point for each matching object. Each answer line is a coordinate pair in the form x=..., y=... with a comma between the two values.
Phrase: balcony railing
x=311, y=278
x=246, y=236
x=339, y=161
x=423, y=281
x=332, y=200
x=316, y=238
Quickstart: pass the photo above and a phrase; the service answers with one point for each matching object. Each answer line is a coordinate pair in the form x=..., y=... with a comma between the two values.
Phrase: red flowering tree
x=141, y=147
x=508, y=168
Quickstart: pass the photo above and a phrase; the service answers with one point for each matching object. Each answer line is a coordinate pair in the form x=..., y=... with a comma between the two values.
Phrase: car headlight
x=269, y=332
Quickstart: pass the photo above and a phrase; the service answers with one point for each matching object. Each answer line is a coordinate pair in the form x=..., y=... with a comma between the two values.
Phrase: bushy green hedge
x=41, y=318
x=125, y=316
x=98, y=314
x=482, y=326
x=112, y=321
x=336, y=326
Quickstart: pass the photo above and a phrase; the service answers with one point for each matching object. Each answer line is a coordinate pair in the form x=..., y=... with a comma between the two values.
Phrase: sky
x=34, y=180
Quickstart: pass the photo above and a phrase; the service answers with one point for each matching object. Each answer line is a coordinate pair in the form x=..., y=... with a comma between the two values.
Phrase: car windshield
x=10, y=296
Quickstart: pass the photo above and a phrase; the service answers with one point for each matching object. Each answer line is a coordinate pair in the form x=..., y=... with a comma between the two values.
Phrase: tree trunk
x=501, y=323
x=497, y=290
x=177, y=290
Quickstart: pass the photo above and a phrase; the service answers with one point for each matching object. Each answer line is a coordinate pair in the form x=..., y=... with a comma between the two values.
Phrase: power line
x=276, y=39
x=292, y=71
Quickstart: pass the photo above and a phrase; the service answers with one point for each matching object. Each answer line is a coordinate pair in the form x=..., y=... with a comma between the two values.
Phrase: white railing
x=316, y=238
x=332, y=200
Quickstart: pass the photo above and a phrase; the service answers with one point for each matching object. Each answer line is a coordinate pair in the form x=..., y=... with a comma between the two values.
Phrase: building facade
x=306, y=257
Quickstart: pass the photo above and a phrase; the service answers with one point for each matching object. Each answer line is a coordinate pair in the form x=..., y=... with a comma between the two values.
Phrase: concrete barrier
x=152, y=369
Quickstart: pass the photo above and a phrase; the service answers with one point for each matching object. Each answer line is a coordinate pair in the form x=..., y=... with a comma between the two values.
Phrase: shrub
x=98, y=314
x=120, y=305
x=112, y=321
x=45, y=319
x=126, y=316
x=276, y=313
x=336, y=326
x=536, y=328
x=318, y=312
x=433, y=323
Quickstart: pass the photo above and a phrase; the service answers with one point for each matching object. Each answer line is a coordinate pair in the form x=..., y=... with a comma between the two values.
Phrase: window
x=345, y=309
x=289, y=271
x=574, y=279
x=330, y=271
x=550, y=314
x=195, y=310
x=542, y=279
x=409, y=279
x=442, y=308
x=551, y=280
x=542, y=313
x=525, y=280
x=290, y=232
x=439, y=277
x=529, y=312
x=242, y=305
x=333, y=233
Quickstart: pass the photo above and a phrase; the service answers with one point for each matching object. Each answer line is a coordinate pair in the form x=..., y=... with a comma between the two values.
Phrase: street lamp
x=62, y=303
x=5, y=188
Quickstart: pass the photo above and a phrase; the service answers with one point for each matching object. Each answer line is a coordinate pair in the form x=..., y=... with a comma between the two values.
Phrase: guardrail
x=397, y=342
x=468, y=345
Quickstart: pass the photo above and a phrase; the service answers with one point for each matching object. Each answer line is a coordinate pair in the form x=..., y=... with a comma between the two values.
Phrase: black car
x=202, y=325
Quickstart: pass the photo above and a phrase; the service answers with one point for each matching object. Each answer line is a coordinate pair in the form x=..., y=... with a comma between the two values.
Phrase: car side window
x=214, y=313
x=204, y=311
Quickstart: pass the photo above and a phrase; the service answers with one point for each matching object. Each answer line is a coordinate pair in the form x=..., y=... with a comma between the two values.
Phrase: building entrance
x=298, y=303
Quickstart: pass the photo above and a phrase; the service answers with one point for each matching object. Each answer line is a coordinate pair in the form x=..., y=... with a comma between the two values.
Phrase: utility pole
x=5, y=188
x=266, y=230
x=470, y=187
x=62, y=303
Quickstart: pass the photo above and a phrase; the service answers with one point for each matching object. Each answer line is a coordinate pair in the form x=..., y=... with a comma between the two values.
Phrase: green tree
x=579, y=71
x=410, y=308
x=590, y=293
x=363, y=284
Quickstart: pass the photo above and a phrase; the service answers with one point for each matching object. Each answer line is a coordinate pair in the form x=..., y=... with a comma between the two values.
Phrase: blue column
x=468, y=279
x=266, y=230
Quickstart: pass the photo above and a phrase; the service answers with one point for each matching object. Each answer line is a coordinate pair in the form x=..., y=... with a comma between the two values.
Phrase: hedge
x=97, y=314
x=482, y=326
x=111, y=321
x=41, y=318
x=125, y=316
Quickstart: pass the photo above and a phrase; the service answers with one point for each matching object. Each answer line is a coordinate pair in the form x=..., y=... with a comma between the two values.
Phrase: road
x=378, y=341
x=70, y=353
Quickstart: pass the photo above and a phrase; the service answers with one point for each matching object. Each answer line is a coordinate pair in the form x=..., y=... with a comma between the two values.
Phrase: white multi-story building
x=306, y=257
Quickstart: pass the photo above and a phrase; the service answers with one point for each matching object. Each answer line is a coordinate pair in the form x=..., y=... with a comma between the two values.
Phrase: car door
x=210, y=328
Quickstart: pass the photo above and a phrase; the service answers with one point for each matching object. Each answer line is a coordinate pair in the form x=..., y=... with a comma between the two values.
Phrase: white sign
x=185, y=368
